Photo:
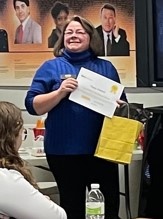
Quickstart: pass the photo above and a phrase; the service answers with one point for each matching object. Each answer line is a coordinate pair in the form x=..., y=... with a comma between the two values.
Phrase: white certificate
x=97, y=92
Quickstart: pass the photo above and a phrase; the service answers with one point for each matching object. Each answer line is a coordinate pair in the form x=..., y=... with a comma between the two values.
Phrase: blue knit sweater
x=70, y=128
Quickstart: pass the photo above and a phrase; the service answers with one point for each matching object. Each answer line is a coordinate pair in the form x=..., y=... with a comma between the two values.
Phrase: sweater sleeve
x=19, y=199
x=44, y=81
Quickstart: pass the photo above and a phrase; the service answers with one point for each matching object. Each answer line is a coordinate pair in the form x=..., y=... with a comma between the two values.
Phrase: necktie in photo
x=20, y=34
x=108, y=46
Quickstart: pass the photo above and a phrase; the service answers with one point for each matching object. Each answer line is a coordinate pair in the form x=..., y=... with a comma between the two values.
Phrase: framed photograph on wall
x=20, y=56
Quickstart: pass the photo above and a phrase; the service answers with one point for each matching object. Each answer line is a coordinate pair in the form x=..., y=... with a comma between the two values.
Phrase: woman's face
x=61, y=20
x=76, y=39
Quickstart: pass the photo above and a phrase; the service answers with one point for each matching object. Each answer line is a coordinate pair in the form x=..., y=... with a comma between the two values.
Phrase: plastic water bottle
x=95, y=203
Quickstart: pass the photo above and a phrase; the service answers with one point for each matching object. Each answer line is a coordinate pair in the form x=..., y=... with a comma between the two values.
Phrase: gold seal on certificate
x=97, y=92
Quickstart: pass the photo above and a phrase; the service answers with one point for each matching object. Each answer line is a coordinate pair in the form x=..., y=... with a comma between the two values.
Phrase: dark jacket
x=155, y=194
x=54, y=36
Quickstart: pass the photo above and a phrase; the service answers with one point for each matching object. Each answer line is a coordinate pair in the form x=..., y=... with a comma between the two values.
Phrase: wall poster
x=20, y=56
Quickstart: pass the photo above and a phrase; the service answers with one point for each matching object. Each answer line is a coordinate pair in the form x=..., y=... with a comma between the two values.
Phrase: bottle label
x=95, y=208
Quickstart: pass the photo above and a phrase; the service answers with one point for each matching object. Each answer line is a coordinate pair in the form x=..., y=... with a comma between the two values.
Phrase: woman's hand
x=67, y=86
x=120, y=102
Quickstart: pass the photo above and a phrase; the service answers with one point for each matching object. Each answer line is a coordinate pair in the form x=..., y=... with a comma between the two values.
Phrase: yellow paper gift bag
x=117, y=139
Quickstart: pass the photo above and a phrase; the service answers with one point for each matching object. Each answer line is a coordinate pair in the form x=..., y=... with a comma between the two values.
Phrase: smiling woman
x=72, y=130
x=76, y=38
x=82, y=34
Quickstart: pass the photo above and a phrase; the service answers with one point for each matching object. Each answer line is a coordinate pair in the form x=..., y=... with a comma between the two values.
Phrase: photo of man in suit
x=28, y=32
x=114, y=38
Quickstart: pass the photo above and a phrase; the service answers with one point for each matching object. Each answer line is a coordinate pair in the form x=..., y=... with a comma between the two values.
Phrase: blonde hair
x=11, y=123
x=95, y=40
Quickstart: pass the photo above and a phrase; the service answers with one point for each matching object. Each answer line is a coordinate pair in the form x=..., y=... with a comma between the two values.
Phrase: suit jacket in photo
x=32, y=33
x=54, y=36
x=117, y=49
x=3, y=41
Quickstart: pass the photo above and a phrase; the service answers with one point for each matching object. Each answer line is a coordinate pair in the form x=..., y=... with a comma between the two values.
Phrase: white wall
x=149, y=99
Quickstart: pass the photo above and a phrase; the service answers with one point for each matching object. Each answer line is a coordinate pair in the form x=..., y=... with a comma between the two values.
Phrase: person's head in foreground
x=11, y=133
x=78, y=35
